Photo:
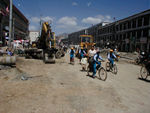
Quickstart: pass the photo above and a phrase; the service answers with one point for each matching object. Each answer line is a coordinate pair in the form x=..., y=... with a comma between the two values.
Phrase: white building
x=33, y=35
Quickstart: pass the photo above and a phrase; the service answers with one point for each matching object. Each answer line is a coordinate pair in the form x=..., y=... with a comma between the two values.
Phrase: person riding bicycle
x=95, y=61
x=91, y=52
x=72, y=52
x=82, y=53
x=111, y=56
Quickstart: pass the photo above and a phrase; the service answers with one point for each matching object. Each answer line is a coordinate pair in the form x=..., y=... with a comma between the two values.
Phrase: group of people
x=8, y=52
x=93, y=57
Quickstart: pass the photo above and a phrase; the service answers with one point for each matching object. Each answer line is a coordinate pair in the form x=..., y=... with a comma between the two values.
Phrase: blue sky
x=72, y=15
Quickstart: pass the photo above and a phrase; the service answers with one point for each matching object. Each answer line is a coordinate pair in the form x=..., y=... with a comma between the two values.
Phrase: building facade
x=74, y=38
x=33, y=35
x=20, y=22
x=129, y=34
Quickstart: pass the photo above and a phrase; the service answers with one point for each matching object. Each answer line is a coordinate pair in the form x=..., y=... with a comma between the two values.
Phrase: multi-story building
x=20, y=22
x=129, y=34
x=94, y=31
x=74, y=38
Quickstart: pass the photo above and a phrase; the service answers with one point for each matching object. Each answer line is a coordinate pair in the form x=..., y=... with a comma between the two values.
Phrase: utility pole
x=10, y=23
x=40, y=25
x=13, y=29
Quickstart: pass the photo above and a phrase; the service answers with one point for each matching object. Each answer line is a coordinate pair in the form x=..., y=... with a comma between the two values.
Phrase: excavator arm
x=46, y=40
x=46, y=45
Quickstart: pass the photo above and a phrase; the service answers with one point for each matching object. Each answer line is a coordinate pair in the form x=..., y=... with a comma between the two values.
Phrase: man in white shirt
x=91, y=52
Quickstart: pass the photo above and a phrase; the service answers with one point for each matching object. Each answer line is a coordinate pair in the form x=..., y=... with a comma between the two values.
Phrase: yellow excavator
x=86, y=41
x=45, y=46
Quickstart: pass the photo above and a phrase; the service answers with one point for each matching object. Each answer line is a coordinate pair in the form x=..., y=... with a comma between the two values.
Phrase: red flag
x=7, y=10
x=3, y=13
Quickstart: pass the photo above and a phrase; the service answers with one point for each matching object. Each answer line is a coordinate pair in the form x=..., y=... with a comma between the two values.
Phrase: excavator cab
x=86, y=41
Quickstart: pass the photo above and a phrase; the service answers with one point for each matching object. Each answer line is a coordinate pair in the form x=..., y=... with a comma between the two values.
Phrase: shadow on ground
x=146, y=80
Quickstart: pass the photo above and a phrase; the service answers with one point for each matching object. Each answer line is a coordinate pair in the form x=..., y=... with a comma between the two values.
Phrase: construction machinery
x=45, y=46
x=86, y=41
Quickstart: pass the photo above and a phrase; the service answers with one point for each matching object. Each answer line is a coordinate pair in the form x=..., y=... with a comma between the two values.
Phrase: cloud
x=108, y=17
x=37, y=19
x=47, y=18
x=68, y=24
x=74, y=3
x=91, y=20
x=89, y=4
x=32, y=28
x=68, y=21
x=97, y=19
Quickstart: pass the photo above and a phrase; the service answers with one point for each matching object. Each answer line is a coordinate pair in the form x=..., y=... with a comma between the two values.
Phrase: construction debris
x=8, y=60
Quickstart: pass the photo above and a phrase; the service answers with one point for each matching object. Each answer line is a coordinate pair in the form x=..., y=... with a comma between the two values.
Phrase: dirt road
x=63, y=88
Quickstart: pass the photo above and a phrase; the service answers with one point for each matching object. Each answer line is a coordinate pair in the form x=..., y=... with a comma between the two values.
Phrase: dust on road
x=63, y=88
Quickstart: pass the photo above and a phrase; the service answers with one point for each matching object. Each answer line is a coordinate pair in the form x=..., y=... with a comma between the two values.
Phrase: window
x=120, y=27
x=129, y=25
x=134, y=23
x=146, y=20
x=140, y=22
x=124, y=26
x=138, y=34
x=145, y=32
x=117, y=28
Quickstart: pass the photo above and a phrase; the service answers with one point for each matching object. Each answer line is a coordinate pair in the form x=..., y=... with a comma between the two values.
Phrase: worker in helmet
x=95, y=61
x=111, y=56
x=72, y=52
x=82, y=53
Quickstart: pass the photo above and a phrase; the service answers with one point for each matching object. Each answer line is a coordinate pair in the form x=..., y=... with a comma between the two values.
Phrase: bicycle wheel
x=143, y=72
x=115, y=69
x=107, y=66
x=102, y=74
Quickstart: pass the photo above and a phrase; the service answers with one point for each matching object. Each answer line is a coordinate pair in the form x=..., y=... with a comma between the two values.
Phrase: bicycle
x=144, y=72
x=101, y=72
x=112, y=68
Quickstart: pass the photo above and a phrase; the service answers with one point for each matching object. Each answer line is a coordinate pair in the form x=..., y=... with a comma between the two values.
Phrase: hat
x=111, y=50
